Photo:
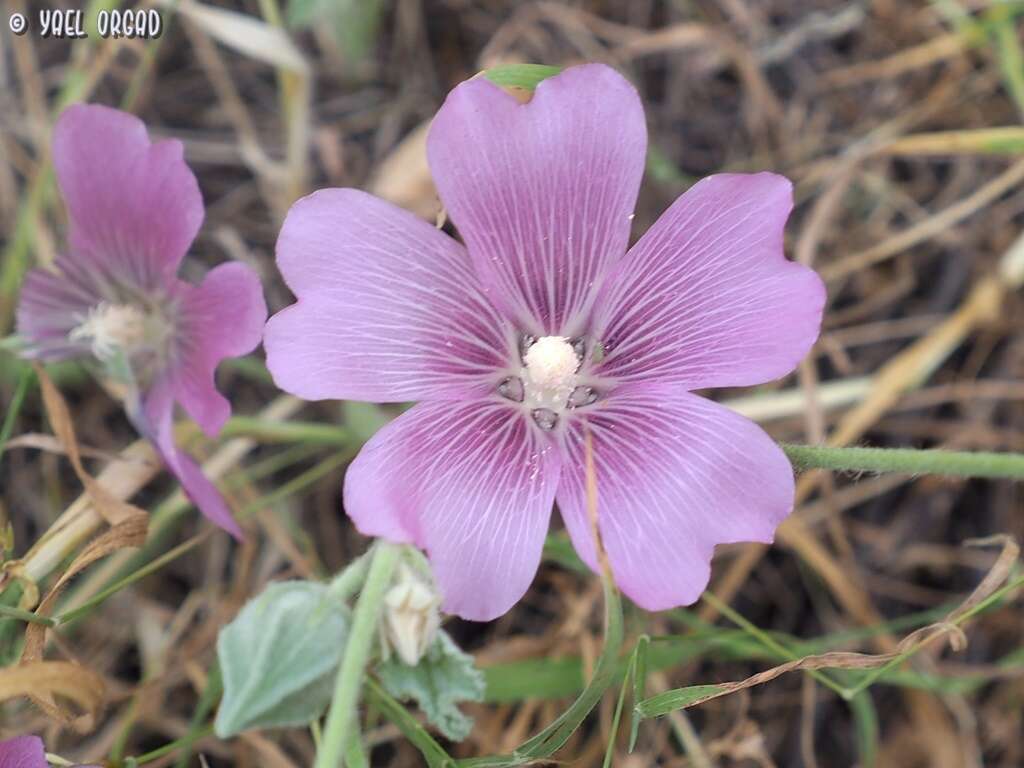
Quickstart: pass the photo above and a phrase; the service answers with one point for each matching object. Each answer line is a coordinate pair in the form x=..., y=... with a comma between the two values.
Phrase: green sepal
x=526, y=76
x=444, y=677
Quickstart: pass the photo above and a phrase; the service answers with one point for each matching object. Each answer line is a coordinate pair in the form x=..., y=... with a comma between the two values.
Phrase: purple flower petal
x=473, y=484
x=221, y=317
x=51, y=304
x=158, y=426
x=134, y=207
x=23, y=752
x=676, y=475
x=388, y=310
x=706, y=298
x=543, y=192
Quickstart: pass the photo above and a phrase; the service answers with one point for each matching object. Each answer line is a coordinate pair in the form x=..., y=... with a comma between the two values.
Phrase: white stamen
x=550, y=372
x=111, y=328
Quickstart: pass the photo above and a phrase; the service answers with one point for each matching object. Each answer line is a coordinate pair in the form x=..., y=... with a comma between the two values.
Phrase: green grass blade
x=417, y=735
x=24, y=381
x=609, y=752
x=552, y=738
x=865, y=719
x=677, y=698
x=639, y=686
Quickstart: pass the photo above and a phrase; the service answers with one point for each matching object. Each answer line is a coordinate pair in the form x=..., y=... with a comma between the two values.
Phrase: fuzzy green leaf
x=278, y=657
x=444, y=677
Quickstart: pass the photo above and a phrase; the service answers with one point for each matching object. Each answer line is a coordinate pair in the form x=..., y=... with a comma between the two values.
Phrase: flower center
x=549, y=370
x=550, y=380
x=112, y=328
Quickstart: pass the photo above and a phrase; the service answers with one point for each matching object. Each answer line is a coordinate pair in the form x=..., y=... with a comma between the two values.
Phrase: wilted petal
x=388, y=307
x=134, y=207
x=221, y=317
x=676, y=475
x=23, y=752
x=158, y=426
x=543, y=192
x=473, y=484
x=706, y=298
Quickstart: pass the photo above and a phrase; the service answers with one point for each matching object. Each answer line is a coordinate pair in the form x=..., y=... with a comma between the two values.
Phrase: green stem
x=267, y=431
x=299, y=482
x=207, y=701
x=341, y=718
x=410, y=727
x=31, y=618
x=348, y=582
x=355, y=755
x=131, y=578
x=168, y=749
x=27, y=376
x=907, y=461
x=765, y=639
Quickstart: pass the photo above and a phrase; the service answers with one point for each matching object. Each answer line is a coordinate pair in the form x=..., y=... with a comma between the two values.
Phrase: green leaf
x=558, y=549
x=355, y=27
x=554, y=737
x=636, y=671
x=606, y=671
x=865, y=718
x=444, y=677
x=542, y=678
x=1008, y=51
x=353, y=23
x=662, y=168
x=364, y=419
x=26, y=379
x=526, y=76
x=303, y=13
x=678, y=698
x=410, y=727
x=278, y=657
x=639, y=686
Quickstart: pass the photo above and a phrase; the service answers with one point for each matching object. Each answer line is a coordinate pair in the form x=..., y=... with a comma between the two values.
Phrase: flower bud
x=411, y=617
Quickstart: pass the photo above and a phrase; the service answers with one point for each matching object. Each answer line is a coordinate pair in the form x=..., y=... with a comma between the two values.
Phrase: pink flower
x=23, y=752
x=544, y=325
x=114, y=298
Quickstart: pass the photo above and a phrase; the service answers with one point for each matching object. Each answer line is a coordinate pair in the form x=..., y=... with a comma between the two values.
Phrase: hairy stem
x=907, y=461
x=342, y=716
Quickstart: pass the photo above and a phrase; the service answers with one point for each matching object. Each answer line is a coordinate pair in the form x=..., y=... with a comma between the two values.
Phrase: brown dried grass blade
x=49, y=679
x=129, y=524
x=112, y=509
x=127, y=533
x=949, y=627
x=591, y=488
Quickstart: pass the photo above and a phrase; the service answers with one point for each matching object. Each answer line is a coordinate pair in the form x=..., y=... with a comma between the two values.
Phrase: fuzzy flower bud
x=411, y=618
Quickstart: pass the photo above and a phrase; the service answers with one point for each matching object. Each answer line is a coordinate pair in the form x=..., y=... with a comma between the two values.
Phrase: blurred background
x=900, y=123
